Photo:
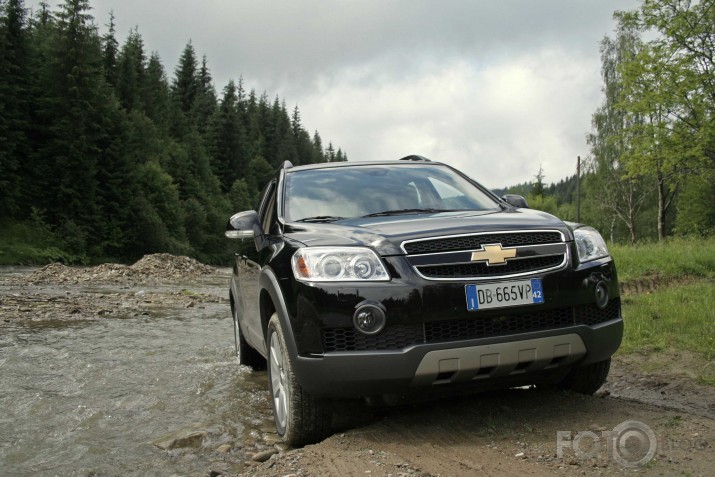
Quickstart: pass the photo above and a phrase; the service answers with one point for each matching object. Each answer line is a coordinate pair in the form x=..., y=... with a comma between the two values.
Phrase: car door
x=252, y=258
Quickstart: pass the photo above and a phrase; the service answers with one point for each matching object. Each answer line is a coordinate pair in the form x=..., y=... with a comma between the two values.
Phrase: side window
x=268, y=219
x=262, y=197
x=266, y=206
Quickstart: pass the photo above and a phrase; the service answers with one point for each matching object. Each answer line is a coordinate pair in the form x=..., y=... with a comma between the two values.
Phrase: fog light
x=601, y=295
x=369, y=319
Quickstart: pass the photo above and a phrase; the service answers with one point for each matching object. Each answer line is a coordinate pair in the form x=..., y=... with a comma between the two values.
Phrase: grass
x=679, y=316
x=671, y=422
x=671, y=259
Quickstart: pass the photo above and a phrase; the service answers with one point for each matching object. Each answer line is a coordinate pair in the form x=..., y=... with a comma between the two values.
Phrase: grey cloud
x=338, y=59
x=293, y=42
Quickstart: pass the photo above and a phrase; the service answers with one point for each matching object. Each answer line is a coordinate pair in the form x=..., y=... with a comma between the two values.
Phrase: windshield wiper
x=407, y=211
x=320, y=218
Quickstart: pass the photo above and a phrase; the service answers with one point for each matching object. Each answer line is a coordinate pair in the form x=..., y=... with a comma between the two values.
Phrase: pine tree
x=110, y=50
x=538, y=186
x=330, y=153
x=318, y=153
x=14, y=106
x=131, y=76
x=186, y=86
x=301, y=137
x=205, y=102
x=79, y=121
x=158, y=215
x=228, y=139
x=281, y=142
x=155, y=93
x=240, y=196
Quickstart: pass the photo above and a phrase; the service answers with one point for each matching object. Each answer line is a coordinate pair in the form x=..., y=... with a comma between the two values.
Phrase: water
x=91, y=397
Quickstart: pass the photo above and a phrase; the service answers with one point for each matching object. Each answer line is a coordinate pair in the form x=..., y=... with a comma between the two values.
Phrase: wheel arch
x=271, y=301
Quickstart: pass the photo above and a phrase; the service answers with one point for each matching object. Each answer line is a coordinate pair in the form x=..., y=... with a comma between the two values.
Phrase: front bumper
x=433, y=341
x=481, y=363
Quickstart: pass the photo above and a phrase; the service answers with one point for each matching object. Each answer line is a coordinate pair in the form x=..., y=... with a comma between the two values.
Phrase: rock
x=182, y=438
x=271, y=439
x=281, y=447
x=224, y=448
x=264, y=455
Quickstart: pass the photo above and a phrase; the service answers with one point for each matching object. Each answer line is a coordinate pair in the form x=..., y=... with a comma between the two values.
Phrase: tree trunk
x=632, y=230
x=661, y=207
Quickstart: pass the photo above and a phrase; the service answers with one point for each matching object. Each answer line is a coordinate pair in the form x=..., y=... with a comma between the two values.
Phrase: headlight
x=344, y=264
x=590, y=244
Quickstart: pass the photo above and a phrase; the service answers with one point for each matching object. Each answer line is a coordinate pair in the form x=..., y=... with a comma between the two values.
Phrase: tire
x=300, y=418
x=586, y=379
x=245, y=355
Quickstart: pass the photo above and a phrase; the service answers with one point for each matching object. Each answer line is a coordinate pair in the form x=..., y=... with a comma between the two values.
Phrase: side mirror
x=515, y=201
x=243, y=225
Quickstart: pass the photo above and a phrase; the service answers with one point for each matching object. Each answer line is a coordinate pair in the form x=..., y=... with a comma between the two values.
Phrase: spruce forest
x=104, y=155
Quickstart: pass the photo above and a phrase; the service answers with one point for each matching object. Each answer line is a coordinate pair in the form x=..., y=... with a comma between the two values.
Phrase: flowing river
x=97, y=397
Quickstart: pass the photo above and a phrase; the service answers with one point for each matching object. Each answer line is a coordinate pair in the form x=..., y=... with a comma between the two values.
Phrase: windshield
x=325, y=195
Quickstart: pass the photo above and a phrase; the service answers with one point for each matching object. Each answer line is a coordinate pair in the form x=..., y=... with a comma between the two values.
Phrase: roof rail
x=287, y=165
x=414, y=157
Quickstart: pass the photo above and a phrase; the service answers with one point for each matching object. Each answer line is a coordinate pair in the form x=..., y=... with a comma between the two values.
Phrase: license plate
x=498, y=295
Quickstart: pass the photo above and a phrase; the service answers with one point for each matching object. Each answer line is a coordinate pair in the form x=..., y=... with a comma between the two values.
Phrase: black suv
x=397, y=279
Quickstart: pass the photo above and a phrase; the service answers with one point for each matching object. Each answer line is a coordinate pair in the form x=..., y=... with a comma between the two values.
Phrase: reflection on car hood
x=386, y=234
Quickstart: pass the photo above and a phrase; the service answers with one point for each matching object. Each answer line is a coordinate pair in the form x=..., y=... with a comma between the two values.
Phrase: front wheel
x=586, y=379
x=300, y=418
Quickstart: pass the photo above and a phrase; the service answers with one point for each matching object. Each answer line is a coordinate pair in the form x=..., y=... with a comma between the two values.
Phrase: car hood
x=386, y=234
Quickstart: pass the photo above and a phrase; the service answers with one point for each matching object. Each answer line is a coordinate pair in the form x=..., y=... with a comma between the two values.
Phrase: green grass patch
x=671, y=259
x=672, y=325
x=676, y=318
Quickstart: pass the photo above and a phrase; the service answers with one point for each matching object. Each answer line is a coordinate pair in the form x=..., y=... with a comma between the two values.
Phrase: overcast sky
x=496, y=88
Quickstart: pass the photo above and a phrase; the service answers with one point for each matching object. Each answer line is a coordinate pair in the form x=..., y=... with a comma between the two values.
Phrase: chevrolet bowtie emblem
x=493, y=254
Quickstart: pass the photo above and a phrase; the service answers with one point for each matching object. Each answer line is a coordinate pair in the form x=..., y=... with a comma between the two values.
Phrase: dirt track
x=515, y=433
x=512, y=432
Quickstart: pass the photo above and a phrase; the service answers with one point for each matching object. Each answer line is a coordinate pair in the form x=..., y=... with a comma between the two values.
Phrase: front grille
x=449, y=258
x=500, y=325
x=480, y=269
x=592, y=315
x=474, y=242
x=393, y=337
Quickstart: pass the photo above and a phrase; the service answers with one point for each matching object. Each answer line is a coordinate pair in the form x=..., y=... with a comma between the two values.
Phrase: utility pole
x=578, y=189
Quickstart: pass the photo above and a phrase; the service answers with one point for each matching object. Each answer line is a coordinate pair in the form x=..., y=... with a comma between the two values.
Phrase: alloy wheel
x=278, y=382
